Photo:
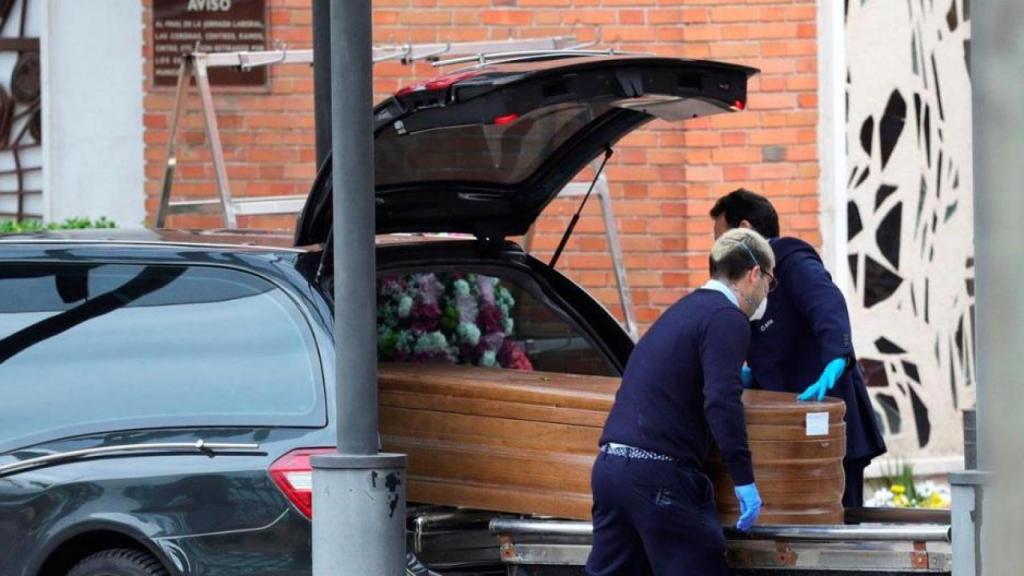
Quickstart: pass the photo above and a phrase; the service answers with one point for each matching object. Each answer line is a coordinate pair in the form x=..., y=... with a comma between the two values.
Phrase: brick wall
x=664, y=178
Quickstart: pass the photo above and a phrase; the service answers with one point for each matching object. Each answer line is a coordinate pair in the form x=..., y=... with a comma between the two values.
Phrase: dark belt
x=637, y=453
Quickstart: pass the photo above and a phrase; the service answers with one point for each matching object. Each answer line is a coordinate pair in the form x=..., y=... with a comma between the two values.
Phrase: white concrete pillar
x=92, y=92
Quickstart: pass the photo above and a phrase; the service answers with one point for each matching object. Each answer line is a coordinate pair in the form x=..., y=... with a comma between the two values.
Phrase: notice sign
x=216, y=26
x=817, y=424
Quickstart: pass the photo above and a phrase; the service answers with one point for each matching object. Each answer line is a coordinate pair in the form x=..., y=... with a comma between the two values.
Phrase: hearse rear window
x=93, y=347
x=470, y=317
x=504, y=153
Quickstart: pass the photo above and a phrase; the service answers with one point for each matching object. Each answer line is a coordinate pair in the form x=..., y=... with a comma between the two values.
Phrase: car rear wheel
x=119, y=562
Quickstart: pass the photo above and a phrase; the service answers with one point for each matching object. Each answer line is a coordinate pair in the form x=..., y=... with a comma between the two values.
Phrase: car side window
x=481, y=320
x=111, y=346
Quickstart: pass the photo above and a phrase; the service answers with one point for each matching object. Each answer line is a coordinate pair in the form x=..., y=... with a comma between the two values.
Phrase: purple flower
x=486, y=286
x=513, y=357
x=489, y=319
x=493, y=341
x=426, y=317
x=430, y=288
x=466, y=306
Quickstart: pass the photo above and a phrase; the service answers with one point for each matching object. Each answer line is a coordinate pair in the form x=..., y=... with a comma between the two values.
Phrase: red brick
x=507, y=17
x=734, y=138
x=631, y=17
x=542, y=3
x=736, y=155
x=735, y=14
x=808, y=100
x=803, y=82
x=772, y=30
x=801, y=153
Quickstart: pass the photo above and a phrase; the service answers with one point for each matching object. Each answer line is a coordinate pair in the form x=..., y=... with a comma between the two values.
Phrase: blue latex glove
x=746, y=376
x=750, y=506
x=825, y=382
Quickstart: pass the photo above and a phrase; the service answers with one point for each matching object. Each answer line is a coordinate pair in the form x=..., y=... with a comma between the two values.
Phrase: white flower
x=468, y=333
x=489, y=359
x=926, y=489
x=883, y=498
x=406, y=340
x=431, y=343
x=404, y=306
x=505, y=297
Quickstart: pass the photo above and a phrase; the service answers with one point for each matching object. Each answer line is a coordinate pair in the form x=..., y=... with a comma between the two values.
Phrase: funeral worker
x=803, y=343
x=654, y=508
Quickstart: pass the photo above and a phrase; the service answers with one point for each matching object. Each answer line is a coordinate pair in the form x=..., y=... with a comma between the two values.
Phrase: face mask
x=761, y=308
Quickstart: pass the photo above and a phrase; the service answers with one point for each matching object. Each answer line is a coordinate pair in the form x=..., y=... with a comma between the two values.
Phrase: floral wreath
x=447, y=317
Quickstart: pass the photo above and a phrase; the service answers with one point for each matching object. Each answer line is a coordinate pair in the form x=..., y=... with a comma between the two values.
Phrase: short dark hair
x=742, y=204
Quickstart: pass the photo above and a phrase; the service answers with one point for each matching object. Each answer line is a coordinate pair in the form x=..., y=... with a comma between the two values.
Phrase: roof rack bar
x=250, y=60
x=414, y=52
x=243, y=206
x=492, y=57
x=405, y=53
x=554, y=54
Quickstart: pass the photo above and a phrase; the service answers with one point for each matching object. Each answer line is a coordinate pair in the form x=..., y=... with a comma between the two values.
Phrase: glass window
x=481, y=320
x=118, y=346
x=504, y=154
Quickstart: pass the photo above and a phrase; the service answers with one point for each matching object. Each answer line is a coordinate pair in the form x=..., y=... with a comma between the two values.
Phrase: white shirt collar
x=721, y=287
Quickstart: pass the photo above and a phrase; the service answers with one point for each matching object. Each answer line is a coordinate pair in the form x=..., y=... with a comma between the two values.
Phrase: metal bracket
x=784, y=554
x=508, y=548
x=431, y=55
x=919, y=557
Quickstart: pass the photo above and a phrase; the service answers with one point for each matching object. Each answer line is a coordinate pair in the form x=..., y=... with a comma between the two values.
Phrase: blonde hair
x=737, y=251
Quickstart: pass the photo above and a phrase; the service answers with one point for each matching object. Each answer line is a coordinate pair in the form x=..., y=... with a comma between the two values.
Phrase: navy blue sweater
x=682, y=386
x=805, y=327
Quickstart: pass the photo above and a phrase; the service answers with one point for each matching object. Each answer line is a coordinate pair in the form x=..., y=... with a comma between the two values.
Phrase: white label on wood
x=817, y=424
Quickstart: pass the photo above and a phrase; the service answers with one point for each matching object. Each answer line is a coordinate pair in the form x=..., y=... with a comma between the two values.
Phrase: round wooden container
x=798, y=450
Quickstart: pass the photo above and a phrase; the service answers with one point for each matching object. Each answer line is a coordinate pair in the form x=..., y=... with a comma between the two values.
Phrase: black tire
x=119, y=562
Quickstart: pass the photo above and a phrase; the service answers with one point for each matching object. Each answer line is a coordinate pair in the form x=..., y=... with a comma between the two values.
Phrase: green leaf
x=31, y=225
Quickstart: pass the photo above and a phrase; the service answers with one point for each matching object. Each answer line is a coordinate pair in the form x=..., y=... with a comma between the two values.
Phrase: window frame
x=317, y=418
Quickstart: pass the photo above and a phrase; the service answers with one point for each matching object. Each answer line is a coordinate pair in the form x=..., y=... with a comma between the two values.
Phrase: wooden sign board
x=183, y=26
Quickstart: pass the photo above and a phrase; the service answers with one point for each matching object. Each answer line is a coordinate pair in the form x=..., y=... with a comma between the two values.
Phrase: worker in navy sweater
x=803, y=343
x=654, y=508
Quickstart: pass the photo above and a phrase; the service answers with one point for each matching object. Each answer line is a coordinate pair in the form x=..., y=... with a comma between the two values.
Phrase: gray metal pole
x=358, y=494
x=997, y=60
x=322, y=77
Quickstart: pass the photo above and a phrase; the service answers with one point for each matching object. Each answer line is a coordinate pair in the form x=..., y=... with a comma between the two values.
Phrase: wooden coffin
x=798, y=450
x=525, y=442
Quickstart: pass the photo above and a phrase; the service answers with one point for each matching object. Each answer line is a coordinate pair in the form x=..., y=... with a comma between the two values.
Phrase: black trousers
x=654, y=518
x=853, y=495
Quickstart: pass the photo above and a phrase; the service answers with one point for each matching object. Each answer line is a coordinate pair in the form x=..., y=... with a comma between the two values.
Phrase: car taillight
x=506, y=119
x=438, y=83
x=293, y=474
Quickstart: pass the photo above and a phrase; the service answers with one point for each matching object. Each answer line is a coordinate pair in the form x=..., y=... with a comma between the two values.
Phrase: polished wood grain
x=525, y=442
